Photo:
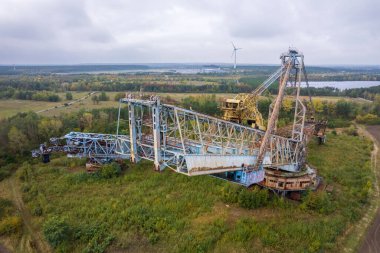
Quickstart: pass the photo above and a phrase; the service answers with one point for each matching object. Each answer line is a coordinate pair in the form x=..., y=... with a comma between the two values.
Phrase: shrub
x=6, y=170
x=110, y=170
x=119, y=96
x=10, y=225
x=351, y=131
x=69, y=96
x=338, y=123
x=45, y=96
x=317, y=201
x=103, y=97
x=37, y=210
x=68, y=162
x=77, y=178
x=230, y=193
x=253, y=198
x=246, y=198
x=56, y=231
x=6, y=207
x=370, y=119
x=96, y=237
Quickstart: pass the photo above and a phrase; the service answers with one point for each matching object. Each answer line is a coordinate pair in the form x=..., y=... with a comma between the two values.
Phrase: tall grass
x=143, y=210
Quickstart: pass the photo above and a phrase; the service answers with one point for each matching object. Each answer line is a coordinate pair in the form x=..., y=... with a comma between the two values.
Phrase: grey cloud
x=72, y=31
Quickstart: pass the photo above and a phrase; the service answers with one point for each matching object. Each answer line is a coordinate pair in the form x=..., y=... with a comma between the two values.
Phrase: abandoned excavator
x=237, y=147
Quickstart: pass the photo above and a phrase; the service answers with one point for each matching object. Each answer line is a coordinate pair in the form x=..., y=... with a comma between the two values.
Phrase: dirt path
x=67, y=104
x=33, y=241
x=371, y=241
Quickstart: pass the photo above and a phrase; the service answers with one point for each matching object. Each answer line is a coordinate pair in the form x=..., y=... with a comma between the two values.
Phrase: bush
x=96, y=237
x=103, y=97
x=370, y=119
x=110, y=170
x=119, y=96
x=46, y=96
x=317, y=201
x=338, y=123
x=4, y=173
x=69, y=96
x=37, y=210
x=231, y=192
x=253, y=198
x=56, y=231
x=68, y=162
x=351, y=131
x=6, y=207
x=10, y=225
x=246, y=198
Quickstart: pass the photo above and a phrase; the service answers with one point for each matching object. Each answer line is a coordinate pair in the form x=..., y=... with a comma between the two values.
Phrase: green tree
x=86, y=120
x=103, y=97
x=17, y=140
x=69, y=96
x=95, y=99
x=376, y=105
x=119, y=96
x=344, y=109
x=49, y=127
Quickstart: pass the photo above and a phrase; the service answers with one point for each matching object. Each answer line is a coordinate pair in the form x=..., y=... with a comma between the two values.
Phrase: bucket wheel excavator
x=193, y=144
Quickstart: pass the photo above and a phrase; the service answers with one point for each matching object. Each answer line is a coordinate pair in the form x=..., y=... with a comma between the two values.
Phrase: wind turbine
x=234, y=53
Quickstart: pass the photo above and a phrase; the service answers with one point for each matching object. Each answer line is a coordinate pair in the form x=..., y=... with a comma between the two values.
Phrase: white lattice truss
x=174, y=137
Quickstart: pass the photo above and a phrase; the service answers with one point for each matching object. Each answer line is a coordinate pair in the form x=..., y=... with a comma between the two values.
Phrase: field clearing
x=11, y=107
x=143, y=210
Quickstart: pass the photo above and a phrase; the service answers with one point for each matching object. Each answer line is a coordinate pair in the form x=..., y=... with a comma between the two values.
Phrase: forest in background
x=43, y=87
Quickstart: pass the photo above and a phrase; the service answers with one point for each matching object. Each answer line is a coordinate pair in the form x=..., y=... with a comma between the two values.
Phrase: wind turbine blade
x=233, y=45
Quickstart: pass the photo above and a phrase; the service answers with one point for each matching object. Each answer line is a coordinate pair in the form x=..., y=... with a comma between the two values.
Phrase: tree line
x=24, y=87
x=29, y=95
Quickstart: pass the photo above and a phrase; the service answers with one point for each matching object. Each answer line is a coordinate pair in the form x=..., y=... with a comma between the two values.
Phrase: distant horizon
x=181, y=63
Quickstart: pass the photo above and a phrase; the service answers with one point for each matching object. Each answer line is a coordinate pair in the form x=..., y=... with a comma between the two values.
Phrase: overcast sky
x=193, y=31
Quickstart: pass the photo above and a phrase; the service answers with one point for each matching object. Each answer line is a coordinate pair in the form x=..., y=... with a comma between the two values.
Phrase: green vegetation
x=103, y=97
x=119, y=96
x=204, y=104
x=10, y=221
x=138, y=209
x=56, y=231
x=30, y=95
x=25, y=131
x=252, y=199
x=133, y=208
x=26, y=86
x=69, y=96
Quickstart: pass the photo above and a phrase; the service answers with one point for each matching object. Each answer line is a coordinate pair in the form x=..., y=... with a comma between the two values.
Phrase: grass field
x=11, y=107
x=145, y=211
